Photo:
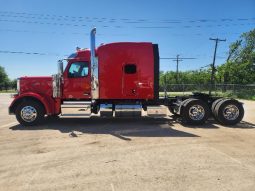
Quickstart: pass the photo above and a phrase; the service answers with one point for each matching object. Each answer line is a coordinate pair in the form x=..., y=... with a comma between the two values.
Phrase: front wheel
x=29, y=113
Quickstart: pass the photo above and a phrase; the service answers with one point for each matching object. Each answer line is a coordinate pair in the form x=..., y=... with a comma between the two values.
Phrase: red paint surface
x=77, y=88
x=114, y=83
x=39, y=88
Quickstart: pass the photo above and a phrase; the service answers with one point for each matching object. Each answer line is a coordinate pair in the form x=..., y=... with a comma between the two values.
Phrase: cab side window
x=78, y=70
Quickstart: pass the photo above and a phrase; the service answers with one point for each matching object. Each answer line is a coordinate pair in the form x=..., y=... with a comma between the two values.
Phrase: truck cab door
x=130, y=81
x=77, y=81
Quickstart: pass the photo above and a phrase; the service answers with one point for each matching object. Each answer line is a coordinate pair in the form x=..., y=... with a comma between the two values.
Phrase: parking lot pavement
x=126, y=154
x=5, y=119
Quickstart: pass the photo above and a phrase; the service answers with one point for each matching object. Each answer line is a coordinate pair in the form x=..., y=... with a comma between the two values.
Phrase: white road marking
x=9, y=124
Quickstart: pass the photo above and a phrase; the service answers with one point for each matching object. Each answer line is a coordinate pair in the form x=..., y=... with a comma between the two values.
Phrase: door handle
x=140, y=84
x=86, y=94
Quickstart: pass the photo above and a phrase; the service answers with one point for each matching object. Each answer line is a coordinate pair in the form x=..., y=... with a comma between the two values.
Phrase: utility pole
x=177, y=67
x=178, y=59
x=165, y=86
x=213, y=64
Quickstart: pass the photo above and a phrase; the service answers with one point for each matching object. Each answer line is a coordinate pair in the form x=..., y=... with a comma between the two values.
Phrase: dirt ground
x=126, y=154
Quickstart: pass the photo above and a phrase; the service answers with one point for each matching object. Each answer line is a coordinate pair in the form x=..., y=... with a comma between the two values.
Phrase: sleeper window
x=130, y=68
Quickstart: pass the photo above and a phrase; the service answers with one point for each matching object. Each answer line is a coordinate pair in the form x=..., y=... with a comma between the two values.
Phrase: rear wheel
x=29, y=113
x=229, y=112
x=195, y=112
x=214, y=107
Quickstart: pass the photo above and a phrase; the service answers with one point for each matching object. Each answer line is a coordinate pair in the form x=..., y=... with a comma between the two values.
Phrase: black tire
x=35, y=108
x=214, y=106
x=183, y=103
x=181, y=107
x=222, y=108
x=188, y=108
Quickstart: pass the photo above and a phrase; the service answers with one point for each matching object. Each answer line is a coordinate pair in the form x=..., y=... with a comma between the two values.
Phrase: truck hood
x=40, y=85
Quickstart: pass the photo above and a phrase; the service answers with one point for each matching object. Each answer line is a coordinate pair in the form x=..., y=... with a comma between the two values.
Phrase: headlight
x=18, y=85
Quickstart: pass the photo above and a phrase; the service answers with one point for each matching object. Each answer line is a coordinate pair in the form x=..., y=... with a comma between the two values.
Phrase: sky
x=52, y=29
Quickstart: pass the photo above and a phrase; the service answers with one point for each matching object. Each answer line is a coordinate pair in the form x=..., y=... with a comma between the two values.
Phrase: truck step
x=76, y=109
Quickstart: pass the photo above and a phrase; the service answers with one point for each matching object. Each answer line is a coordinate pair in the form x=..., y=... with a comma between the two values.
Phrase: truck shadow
x=212, y=124
x=243, y=125
x=118, y=127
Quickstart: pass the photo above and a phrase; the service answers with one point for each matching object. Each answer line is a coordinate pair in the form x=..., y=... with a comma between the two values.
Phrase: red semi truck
x=113, y=80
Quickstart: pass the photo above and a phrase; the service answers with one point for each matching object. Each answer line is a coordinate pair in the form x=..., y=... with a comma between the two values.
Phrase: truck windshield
x=78, y=69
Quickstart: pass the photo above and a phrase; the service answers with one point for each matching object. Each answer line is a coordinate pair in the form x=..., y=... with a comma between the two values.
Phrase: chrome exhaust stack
x=94, y=66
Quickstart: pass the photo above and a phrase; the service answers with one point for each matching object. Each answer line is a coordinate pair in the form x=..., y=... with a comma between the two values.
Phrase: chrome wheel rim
x=196, y=112
x=28, y=113
x=231, y=112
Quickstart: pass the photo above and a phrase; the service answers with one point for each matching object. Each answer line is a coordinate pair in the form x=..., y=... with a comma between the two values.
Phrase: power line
x=78, y=19
x=42, y=23
x=121, y=26
x=57, y=32
x=113, y=20
x=192, y=26
x=28, y=53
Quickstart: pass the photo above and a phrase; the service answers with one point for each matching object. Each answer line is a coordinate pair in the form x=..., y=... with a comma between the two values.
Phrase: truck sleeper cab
x=116, y=79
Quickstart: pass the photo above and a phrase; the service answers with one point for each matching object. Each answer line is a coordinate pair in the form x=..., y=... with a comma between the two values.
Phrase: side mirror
x=60, y=67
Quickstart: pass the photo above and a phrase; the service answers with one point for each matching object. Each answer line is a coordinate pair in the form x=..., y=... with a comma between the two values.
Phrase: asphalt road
x=126, y=154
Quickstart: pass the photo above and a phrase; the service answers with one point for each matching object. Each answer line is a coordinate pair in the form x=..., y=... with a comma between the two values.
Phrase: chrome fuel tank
x=128, y=110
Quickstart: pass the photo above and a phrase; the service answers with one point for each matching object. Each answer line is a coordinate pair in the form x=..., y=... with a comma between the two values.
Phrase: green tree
x=239, y=67
x=13, y=84
x=4, y=80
